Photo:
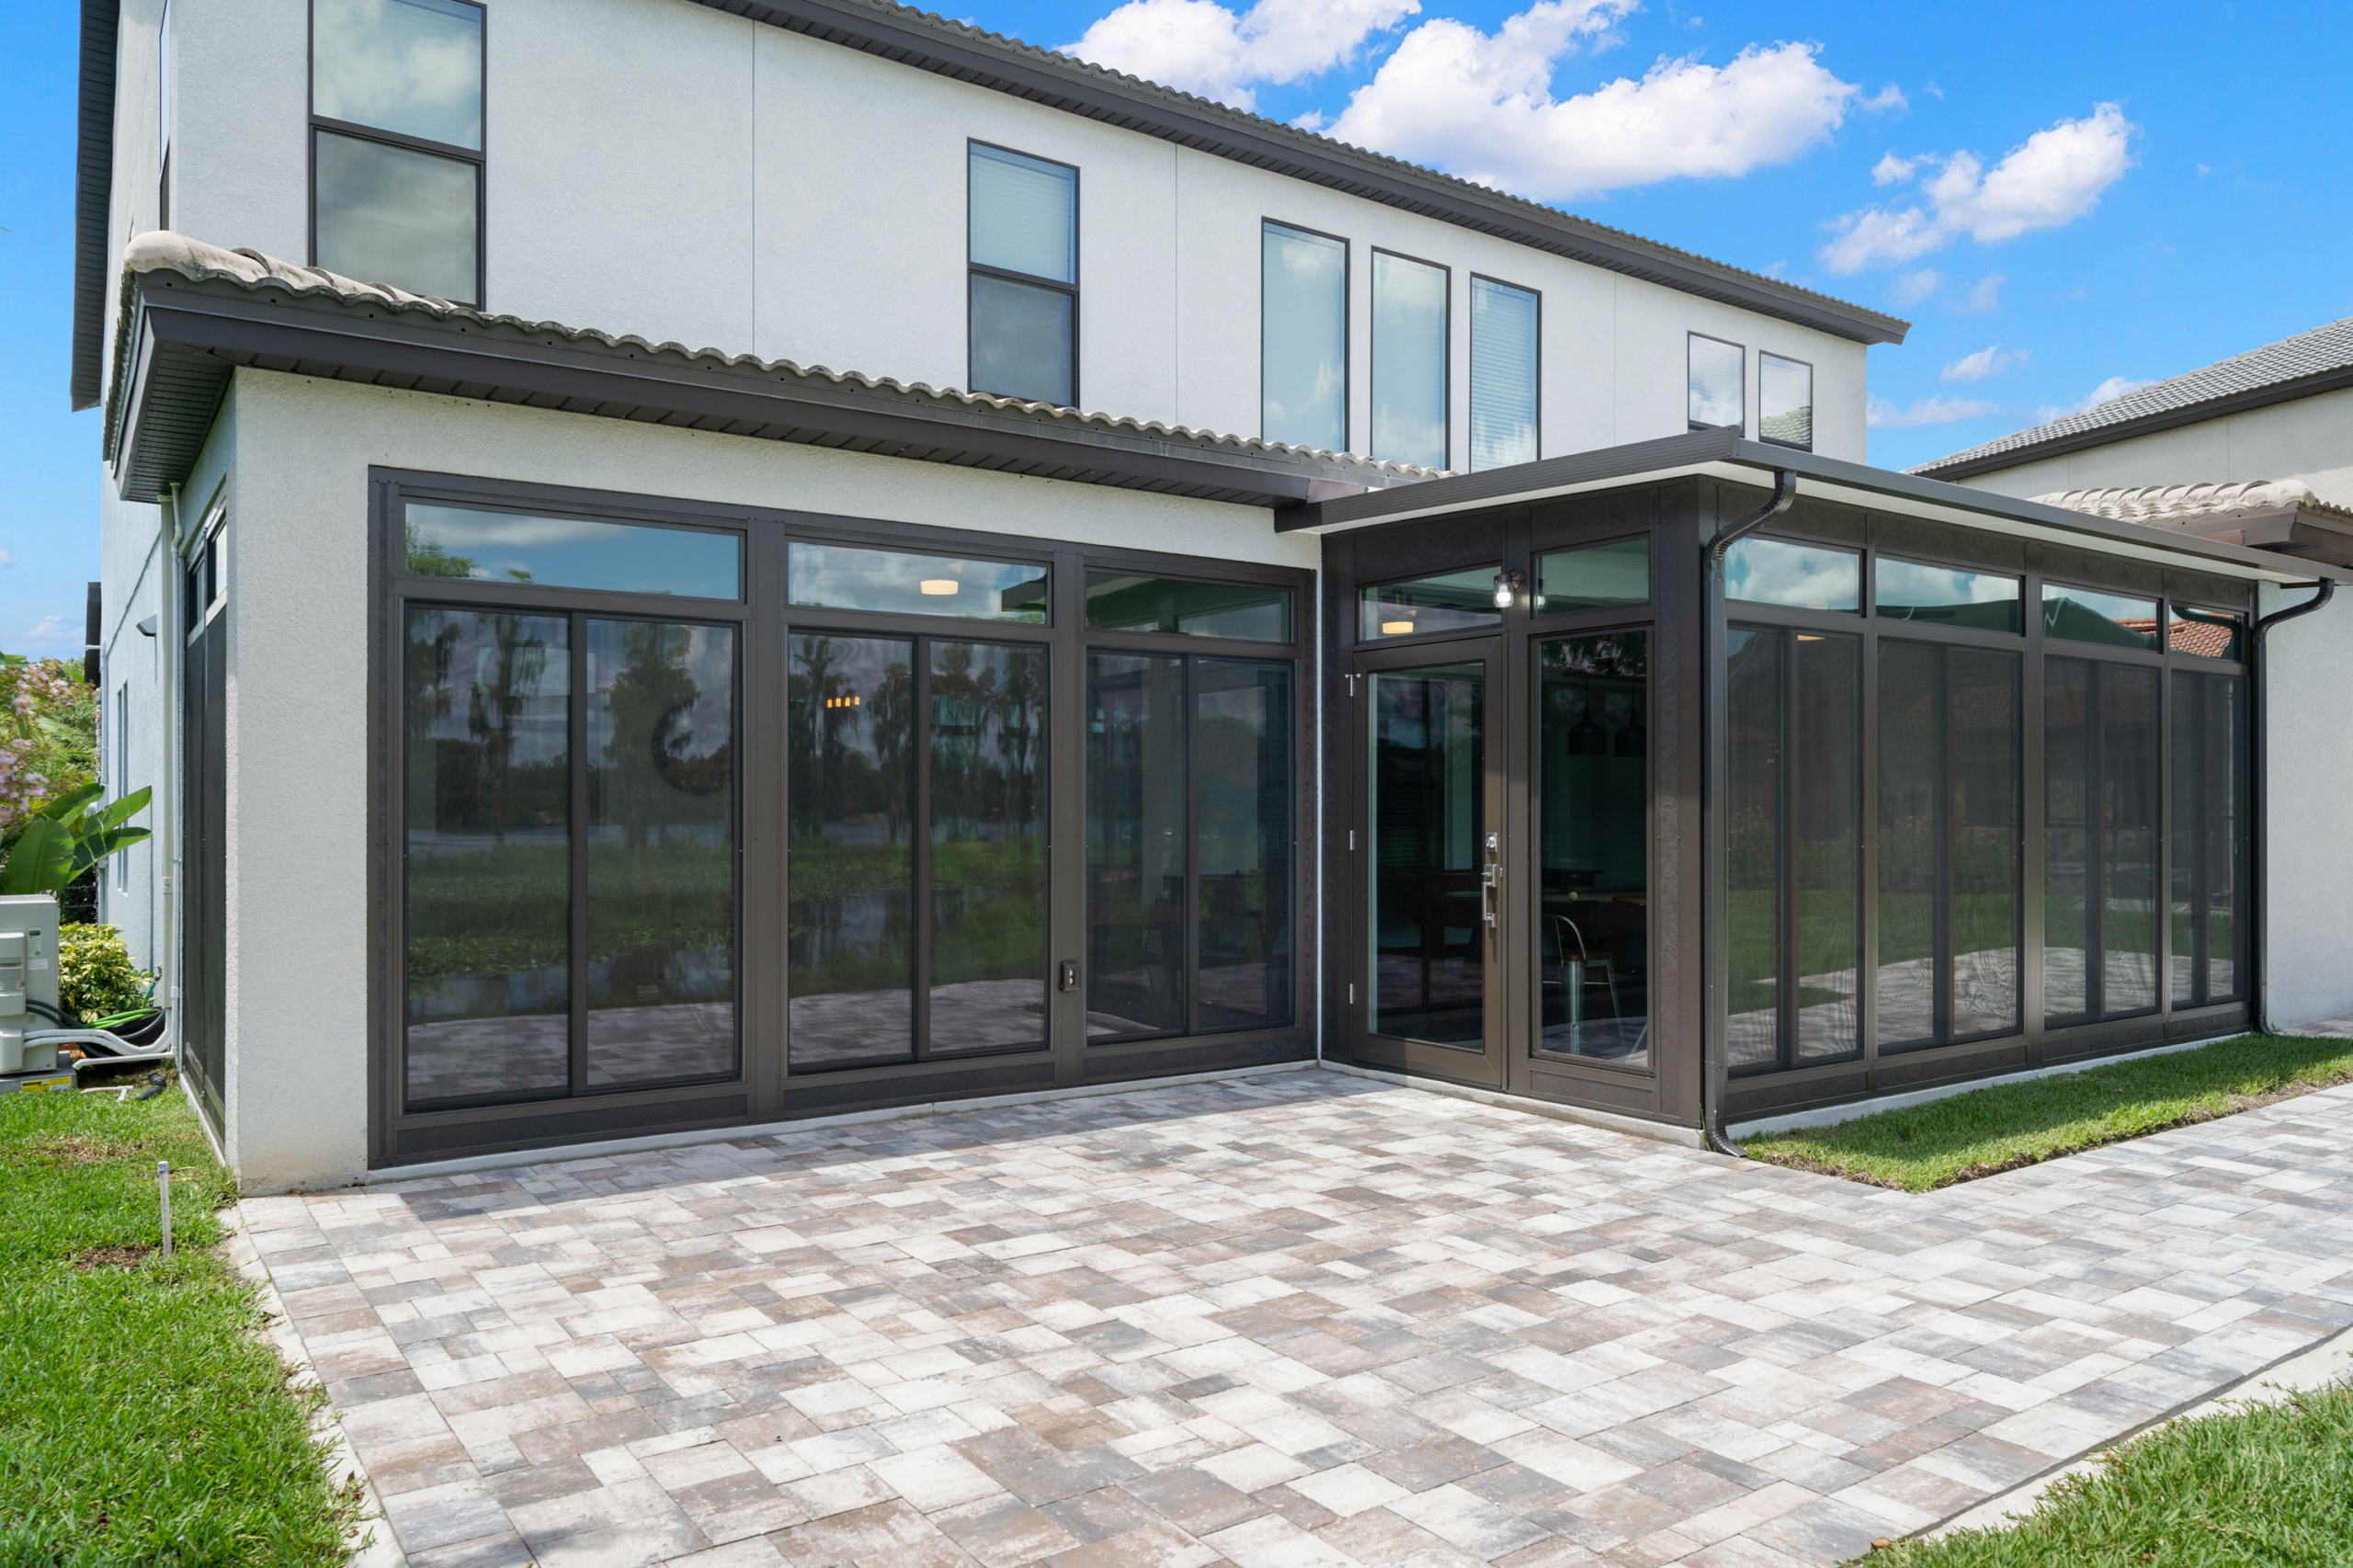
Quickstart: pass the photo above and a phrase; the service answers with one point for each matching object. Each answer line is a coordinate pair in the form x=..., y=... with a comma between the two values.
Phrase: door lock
x=1066, y=978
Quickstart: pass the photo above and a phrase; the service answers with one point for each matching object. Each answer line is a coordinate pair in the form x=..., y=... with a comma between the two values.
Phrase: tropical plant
x=66, y=838
x=96, y=979
x=48, y=736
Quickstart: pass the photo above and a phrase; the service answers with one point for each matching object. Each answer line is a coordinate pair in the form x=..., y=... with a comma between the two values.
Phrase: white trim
x=1607, y=1121
x=508, y=1159
x=1831, y=1115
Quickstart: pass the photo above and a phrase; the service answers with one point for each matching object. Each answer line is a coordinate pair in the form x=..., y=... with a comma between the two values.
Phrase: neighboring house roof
x=934, y=43
x=194, y=312
x=2268, y=514
x=2316, y=361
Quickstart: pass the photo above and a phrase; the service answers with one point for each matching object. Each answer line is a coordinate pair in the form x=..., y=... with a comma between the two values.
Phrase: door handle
x=1491, y=885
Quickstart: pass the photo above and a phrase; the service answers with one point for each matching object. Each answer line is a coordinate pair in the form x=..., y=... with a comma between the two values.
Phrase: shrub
x=95, y=976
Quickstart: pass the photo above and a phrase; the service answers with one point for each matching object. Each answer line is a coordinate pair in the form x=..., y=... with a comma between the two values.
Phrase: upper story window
x=396, y=143
x=1718, y=384
x=163, y=118
x=1785, y=401
x=1304, y=338
x=1409, y=336
x=1505, y=401
x=1024, y=285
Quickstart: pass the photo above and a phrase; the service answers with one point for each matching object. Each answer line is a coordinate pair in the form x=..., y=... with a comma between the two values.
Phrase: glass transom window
x=1803, y=576
x=1455, y=601
x=2206, y=633
x=1595, y=576
x=1121, y=601
x=2087, y=614
x=841, y=576
x=570, y=552
x=1946, y=596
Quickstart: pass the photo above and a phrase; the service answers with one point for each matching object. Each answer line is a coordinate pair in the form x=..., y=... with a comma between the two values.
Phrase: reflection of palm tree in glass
x=520, y=660
x=643, y=739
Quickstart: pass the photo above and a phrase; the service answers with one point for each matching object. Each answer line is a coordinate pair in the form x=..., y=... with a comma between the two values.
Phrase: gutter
x=1715, y=948
x=2259, y=790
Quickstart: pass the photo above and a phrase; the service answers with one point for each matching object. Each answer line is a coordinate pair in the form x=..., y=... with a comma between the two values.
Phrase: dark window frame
x=1373, y=352
x=478, y=156
x=1471, y=409
x=976, y=269
x=1763, y=355
x=1690, y=338
x=1347, y=326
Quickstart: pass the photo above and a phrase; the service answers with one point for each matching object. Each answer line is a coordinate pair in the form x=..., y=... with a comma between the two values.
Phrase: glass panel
x=570, y=552
x=2067, y=770
x=851, y=947
x=2129, y=761
x=2227, y=850
x=487, y=764
x=1304, y=337
x=1454, y=602
x=1429, y=814
x=1118, y=602
x=1021, y=341
x=1805, y=576
x=988, y=847
x=1827, y=743
x=1136, y=834
x=1408, y=361
x=1988, y=840
x=841, y=576
x=1946, y=596
x=2081, y=615
x=413, y=66
x=2189, y=754
x=1593, y=812
x=1595, y=576
x=1754, y=702
x=1911, y=787
x=1243, y=748
x=660, y=852
x=1719, y=383
x=2206, y=633
x=385, y=214
x=1785, y=401
x=1025, y=214
x=1503, y=358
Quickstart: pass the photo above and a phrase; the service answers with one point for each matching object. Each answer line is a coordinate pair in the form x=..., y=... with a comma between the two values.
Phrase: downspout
x=1714, y=1070
x=173, y=637
x=2261, y=833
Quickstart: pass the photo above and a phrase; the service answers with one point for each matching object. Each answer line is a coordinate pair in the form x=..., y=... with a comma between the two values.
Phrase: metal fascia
x=93, y=198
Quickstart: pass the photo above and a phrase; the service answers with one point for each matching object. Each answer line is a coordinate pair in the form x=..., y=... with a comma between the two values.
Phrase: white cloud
x=1990, y=361
x=1881, y=414
x=7, y=558
x=2055, y=176
x=1202, y=47
x=1482, y=106
x=54, y=631
x=1893, y=170
x=1987, y=295
x=2108, y=391
x=1915, y=287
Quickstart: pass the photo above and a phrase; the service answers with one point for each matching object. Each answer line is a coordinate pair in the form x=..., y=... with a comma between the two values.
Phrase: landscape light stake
x=164, y=1183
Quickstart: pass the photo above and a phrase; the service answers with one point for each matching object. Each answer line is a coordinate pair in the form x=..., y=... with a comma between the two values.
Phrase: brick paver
x=1291, y=1321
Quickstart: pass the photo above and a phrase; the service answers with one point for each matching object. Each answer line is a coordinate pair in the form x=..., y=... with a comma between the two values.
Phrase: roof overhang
x=188, y=337
x=1725, y=454
x=93, y=198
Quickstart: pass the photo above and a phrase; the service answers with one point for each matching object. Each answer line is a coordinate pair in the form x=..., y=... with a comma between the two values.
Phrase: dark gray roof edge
x=1703, y=446
x=935, y=43
x=93, y=196
x=1975, y=461
x=175, y=321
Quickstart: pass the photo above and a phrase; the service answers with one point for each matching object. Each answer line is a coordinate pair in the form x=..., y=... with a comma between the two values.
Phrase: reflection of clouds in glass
x=1775, y=572
x=835, y=576
x=1910, y=583
x=570, y=552
x=452, y=527
x=413, y=66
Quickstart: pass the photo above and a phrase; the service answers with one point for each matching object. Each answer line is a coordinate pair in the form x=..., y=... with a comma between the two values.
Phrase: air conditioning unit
x=28, y=975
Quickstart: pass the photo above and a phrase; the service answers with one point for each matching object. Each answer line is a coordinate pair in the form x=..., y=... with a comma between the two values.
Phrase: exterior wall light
x=1507, y=587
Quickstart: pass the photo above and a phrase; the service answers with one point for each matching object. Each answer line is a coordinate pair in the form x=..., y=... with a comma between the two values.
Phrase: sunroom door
x=1427, y=862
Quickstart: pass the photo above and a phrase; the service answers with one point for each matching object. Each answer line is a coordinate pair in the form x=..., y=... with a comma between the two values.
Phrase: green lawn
x=2268, y=1484
x=141, y=1420
x=2000, y=1129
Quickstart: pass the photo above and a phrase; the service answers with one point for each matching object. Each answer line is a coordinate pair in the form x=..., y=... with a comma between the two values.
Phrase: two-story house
x=608, y=548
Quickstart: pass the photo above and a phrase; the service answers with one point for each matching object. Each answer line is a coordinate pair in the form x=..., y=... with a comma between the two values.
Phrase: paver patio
x=1293, y=1320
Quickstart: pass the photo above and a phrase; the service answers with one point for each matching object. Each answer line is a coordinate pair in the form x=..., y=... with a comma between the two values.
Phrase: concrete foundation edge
x=1609, y=1121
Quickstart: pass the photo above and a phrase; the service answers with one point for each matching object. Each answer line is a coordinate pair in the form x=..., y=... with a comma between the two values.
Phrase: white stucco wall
x=297, y=665
x=2309, y=440
x=2308, y=864
x=660, y=167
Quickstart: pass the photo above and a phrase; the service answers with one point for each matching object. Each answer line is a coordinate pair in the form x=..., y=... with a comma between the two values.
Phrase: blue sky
x=2148, y=186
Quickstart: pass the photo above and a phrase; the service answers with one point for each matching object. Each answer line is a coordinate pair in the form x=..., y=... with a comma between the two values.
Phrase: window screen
x=1718, y=384
x=1304, y=338
x=1504, y=343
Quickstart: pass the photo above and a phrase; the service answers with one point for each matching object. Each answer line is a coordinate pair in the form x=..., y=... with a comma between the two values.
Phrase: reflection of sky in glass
x=1614, y=574
x=1449, y=603
x=1776, y=572
x=1910, y=583
x=1719, y=393
x=413, y=66
x=2087, y=614
x=1304, y=332
x=837, y=577
x=570, y=552
x=1409, y=331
